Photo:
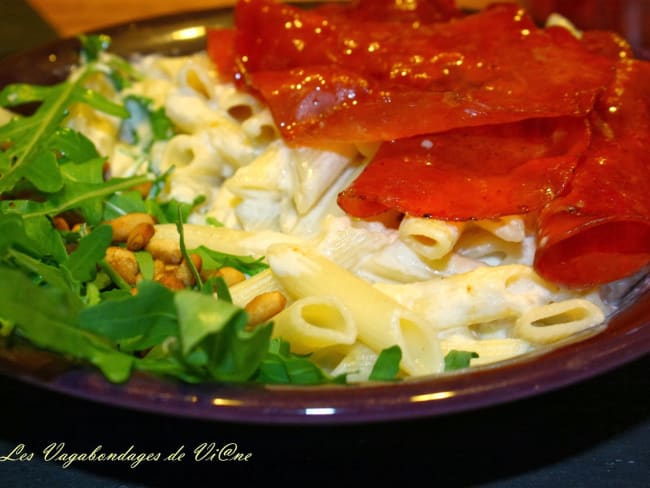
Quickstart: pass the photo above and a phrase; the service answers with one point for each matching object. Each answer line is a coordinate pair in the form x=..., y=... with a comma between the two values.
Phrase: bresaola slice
x=475, y=173
x=599, y=231
x=383, y=82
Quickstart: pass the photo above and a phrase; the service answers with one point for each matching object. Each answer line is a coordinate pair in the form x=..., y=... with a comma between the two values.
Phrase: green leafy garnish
x=215, y=260
x=455, y=359
x=280, y=366
x=145, y=124
x=386, y=367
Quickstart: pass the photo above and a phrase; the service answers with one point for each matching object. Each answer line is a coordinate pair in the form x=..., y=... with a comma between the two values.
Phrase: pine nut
x=123, y=262
x=231, y=276
x=264, y=306
x=184, y=273
x=158, y=269
x=140, y=236
x=143, y=188
x=60, y=223
x=165, y=250
x=124, y=224
x=171, y=282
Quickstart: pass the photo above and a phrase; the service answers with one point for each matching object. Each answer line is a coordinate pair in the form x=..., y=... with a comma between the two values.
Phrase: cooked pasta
x=353, y=287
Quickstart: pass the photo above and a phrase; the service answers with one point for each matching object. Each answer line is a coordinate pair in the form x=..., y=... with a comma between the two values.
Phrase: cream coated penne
x=479, y=296
x=430, y=238
x=488, y=350
x=556, y=321
x=166, y=238
x=315, y=322
x=381, y=322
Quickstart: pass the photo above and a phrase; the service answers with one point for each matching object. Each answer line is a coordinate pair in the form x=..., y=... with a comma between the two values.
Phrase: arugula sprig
x=31, y=142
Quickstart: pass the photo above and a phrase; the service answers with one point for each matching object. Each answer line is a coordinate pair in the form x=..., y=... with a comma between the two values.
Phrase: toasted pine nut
x=184, y=273
x=158, y=269
x=165, y=251
x=124, y=224
x=197, y=261
x=264, y=306
x=123, y=262
x=60, y=223
x=171, y=282
x=140, y=236
x=143, y=188
x=231, y=276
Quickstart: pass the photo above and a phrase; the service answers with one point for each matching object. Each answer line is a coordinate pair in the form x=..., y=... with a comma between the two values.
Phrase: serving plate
x=625, y=338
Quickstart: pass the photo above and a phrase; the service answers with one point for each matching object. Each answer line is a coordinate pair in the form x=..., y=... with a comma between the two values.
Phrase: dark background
x=593, y=434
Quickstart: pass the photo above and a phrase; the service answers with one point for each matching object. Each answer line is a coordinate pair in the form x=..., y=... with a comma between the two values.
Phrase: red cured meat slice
x=600, y=230
x=477, y=173
x=488, y=68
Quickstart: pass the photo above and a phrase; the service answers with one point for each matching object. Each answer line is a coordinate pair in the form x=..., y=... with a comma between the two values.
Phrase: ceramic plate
x=625, y=338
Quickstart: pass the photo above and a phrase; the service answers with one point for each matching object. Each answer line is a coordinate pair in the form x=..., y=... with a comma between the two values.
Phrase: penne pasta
x=479, y=296
x=166, y=239
x=315, y=322
x=430, y=238
x=381, y=322
x=556, y=321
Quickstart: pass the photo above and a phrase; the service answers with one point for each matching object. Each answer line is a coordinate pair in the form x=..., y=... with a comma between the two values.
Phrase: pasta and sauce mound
x=401, y=187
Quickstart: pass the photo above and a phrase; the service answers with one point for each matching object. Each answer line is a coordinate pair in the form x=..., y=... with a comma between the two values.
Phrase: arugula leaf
x=386, y=367
x=145, y=125
x=123, y=203
x=167, y=212
x=280, y=366
x=213, y=337
x=28, y=140
x=215, y=260
x=455, y=359
x=92, y=46
x=39, y=314
x=72, y=145
x=146, y=264
x=185, y=254
x=88, y=198
x=134, y=322
x=216, y=284
x=92, y=248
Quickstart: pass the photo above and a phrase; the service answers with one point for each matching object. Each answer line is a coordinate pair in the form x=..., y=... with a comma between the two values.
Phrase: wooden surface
x=70, y=17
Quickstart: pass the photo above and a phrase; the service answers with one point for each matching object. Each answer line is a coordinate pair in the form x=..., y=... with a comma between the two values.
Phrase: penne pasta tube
x=479, y=296
x=166, y=239
x=430, y=238
x=488, y=350
x=312, y=323
x=381, y=322
x=317, y=170
x=555, y=321
x=357, y=363
x=244, y=291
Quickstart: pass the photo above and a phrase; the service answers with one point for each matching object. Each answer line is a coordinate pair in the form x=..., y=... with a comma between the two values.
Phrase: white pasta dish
x=354, y=287
x=349, y=289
